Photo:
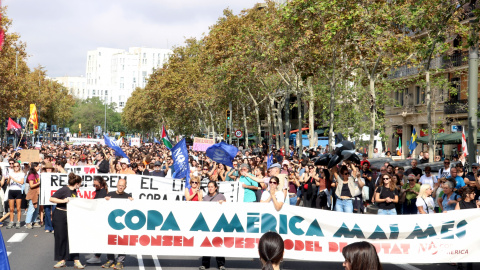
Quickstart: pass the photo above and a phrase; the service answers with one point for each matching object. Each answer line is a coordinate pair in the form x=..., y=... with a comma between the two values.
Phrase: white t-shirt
x=427, y=204
x=428, y=180
x=278, y=194
x=20, y=176
x=444, y=173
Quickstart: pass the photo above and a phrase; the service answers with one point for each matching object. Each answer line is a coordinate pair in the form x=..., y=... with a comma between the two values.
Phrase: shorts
x=15, y=195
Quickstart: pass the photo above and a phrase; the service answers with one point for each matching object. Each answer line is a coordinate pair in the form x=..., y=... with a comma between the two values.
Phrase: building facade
x=76, y=85
x=449, y=93
x=113, y=74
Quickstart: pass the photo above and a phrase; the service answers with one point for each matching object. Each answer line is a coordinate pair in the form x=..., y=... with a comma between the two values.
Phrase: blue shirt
x=445, y=205
x=249, y=195
x=460, y=182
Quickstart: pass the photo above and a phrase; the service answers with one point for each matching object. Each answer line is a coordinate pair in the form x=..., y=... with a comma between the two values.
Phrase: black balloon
x=347, y=154
x=334, y=160
x=354, y=158
x=323, y=159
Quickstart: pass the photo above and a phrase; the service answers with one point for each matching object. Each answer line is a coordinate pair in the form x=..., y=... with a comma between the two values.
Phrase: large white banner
x=234, y=229
x=141, y=187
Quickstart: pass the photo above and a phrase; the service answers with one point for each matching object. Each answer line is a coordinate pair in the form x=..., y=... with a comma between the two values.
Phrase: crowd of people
x=275, y=176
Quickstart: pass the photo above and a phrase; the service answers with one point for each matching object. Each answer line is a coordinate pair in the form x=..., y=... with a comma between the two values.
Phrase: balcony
x=455, y=60
x=457, y=106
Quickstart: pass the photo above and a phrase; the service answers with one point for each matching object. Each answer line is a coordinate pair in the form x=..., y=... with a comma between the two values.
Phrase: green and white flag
x=165, y=138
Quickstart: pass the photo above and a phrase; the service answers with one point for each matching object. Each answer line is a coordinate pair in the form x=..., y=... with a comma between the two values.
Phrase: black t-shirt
x=63, y=193
x=386, y=193
x=158, y=173
x=100, y=194
x=416, y=171
x=471, y=176
x=467, y=205
x=115, y=195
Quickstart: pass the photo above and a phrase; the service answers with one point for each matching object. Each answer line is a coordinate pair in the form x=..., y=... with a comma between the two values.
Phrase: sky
x=58, y=33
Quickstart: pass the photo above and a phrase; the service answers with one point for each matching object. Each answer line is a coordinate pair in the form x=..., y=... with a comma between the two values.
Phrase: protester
x=274, y=195
x=33, y=180
x=309, y=186
x=213, y=196
x=249, y=185
x=118, y=194
x=361, y=256
x=61, y=198
x=417, y=172
x=428, y=178
x=467, y=199
x=449, y=199
x=425, y=204
x=412, y=189
x=194, y=193
x=271, y=249
x=293, y=184
x=345, y=189
x=445, y=171
x=386, y=196
x=157, y=169
x=15, y=181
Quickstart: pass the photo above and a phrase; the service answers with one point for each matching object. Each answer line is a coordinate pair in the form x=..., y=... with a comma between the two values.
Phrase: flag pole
x=20, y=140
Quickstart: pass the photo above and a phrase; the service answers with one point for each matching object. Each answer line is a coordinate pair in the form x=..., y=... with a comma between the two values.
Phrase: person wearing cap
x=157, y=166
x=472, y=176
x=250, y=186
x=125, y=169
x=102, y=164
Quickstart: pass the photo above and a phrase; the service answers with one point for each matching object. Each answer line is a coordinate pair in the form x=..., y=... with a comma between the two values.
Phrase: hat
x=157, y=163
x=275, y=165
x=124, y=160
x=48, y=165
x=364, y=155
x=475, y=164
x=285, y=162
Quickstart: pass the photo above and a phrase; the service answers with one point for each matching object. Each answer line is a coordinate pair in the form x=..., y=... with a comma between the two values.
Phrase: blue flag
x=180, y=162
x=116, y=148
x=270, y=160
x=413, y=141
x=4, y=264
x=222, y=153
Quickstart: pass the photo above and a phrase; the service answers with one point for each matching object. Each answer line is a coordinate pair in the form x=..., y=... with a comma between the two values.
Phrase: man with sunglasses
x=445, y=171
x=472, y=176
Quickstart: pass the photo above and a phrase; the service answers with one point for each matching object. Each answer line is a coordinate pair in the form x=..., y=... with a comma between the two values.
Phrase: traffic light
x=228, y=132
x=228, y=114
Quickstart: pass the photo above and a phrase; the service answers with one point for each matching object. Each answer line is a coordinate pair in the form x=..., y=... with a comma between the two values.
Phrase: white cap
x=124, y=160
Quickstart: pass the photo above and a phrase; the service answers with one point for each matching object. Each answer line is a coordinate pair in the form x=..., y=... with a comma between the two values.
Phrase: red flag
x=464, y=144
x=12, y=125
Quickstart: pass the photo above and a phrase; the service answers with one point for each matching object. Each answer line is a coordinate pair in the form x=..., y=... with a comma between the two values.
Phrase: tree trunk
x=299, y=134
x=213, y=125
x=259, y=126
x=331, y=134
x=245, y=134
x=373, y=114
x=275, y=123
x=429, y=116
x=269, y=121
x=287, y=121
x=280, y=122
x=311, y=120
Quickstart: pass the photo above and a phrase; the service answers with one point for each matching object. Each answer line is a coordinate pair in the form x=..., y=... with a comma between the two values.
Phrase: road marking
x=156, y=262
x=18, y=237
x=407, y=266
x=8, y=253
x=141, y=266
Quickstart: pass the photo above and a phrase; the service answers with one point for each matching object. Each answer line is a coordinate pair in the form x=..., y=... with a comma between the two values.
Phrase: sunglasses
x=346, y=174
x=386, y=178
x=427, y=172
x=411, y=179
x=16, y=166
x=194, y=182
x=446, y=163
x=272, y=182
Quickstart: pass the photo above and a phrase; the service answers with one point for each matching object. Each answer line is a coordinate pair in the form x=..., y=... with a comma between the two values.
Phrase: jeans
x=48, y=217
x=293, y=200
x=32, y=213
x=344, y=206
x=387, y=211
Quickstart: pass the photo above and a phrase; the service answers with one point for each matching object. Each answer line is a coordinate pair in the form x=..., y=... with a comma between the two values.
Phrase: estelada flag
x=12, y=125
x=33, y=117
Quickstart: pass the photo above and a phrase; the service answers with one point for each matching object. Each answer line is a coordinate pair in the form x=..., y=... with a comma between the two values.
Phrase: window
x=122, y=104
x=455, y=93
x=93, y=92
x=399, y=98
x=106, y=93
x=420, y=95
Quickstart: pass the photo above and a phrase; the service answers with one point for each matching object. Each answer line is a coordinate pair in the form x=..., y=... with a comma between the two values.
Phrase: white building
x=76, y=85
x=113, y=74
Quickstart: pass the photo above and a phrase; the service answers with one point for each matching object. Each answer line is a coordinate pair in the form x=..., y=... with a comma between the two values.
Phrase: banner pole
x=20, y=140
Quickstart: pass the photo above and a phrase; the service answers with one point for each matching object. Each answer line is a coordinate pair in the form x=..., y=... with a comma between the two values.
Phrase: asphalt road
x=33, y=249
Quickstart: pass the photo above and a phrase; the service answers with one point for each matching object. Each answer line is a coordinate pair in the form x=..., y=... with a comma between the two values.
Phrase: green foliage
x=91, y=112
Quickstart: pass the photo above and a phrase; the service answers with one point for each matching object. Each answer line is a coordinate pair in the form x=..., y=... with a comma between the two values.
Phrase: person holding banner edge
x=213, y=196
x=118, y=194
x=61, y=197
x=194, y=193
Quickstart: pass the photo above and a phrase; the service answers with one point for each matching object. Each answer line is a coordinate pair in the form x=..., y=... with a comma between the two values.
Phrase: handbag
x=357, y=191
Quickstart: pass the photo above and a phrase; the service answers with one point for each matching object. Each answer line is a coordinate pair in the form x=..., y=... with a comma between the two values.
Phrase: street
x=33, y=249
